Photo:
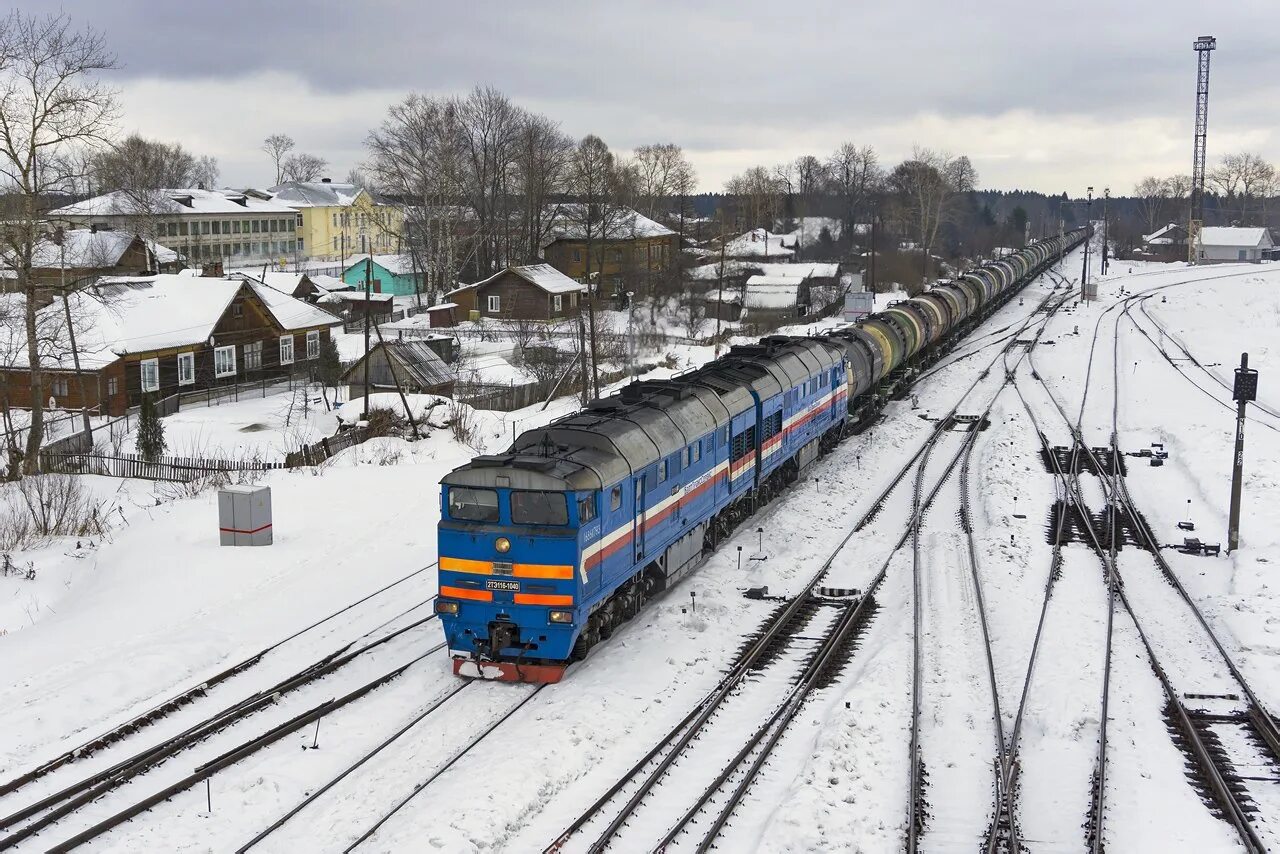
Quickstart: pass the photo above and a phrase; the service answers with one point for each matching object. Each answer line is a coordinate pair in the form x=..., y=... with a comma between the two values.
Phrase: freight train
x=545, y=550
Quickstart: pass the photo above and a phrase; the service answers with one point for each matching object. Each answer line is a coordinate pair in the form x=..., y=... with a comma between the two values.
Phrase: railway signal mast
x=1203, y=46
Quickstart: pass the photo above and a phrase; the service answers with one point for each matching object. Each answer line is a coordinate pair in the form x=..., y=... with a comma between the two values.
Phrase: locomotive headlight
x=502, y=544
x=561, y=616
x=444, y=607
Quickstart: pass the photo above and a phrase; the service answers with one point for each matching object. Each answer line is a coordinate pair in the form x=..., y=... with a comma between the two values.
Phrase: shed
x=1217, y=244
x=416, y=365
x=352, y=305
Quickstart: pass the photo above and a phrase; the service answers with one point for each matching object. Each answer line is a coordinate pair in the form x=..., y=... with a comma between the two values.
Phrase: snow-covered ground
x=112, y=626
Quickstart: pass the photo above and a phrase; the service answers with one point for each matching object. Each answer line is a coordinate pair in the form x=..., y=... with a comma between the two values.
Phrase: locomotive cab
x=512, y=532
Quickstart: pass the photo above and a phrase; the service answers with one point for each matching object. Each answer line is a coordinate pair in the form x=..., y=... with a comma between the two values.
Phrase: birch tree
x=277, y=146
x=51, y=106
x=924, y=188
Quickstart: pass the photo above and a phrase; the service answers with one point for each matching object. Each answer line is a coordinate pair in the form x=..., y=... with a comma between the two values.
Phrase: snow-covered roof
x=397, y=264
x=290, y=312
x=771, y=295
x=179, y=201
x=1162, y=235
x=788, y=281
x=315, y=194
x=544, y=276
x=568, y=222
x=354, y=296
x=87, y=249
x=758, y=243
x=803, y=270
x=328, y=283
x=1242, y=237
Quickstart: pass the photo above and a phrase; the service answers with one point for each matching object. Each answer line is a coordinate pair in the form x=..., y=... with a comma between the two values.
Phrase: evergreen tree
x=328, y=367
x=150, y=431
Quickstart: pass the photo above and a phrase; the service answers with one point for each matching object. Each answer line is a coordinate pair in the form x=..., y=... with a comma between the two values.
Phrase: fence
x=313, y=455
x=178, y=469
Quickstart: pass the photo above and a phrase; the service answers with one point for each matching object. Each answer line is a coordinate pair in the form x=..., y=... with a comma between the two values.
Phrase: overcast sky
x=1047, y=96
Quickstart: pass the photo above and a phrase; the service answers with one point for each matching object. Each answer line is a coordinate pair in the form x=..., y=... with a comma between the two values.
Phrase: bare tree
x=277, y=146
x=1152, y=195
x=207, y=171
x=812, y=177
x=303, y=167
x=854, y=176
x=140, y=172
x=662, y=173
x=924, y=187
x=756, y=197
x=50, y=105
x=1242, y=179
x=541, y=163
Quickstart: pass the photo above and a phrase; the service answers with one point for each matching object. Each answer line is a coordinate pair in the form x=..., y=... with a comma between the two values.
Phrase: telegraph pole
x=368, y=290
x=1246, y=389
x=1084, y=273
x=1106, y=196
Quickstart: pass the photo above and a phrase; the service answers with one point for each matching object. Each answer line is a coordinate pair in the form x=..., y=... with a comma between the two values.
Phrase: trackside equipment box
x=244, y=515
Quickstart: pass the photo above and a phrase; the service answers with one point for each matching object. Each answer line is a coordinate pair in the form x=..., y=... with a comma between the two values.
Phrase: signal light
x=561, y=616
x=444, y=606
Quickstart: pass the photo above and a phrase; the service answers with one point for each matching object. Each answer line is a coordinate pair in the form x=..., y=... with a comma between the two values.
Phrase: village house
x=230, y=226
x=352, y=305
x=163, y=335
x=1222, y=245
x=85, y=253
x=336, y=219
x=390, y=274
x=533, y=292
x=625, y=246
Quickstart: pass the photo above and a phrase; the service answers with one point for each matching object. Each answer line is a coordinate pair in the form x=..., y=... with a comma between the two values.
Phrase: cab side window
x=586, y=509
x=615, y=498
x=662, y=471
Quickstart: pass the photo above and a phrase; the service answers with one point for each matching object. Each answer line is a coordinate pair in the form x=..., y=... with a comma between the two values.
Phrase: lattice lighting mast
x=1203, y=46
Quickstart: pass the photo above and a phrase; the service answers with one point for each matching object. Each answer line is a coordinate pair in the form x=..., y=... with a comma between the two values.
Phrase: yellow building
x=337, y=220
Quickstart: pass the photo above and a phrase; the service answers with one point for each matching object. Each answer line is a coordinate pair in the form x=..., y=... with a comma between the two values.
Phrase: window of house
x=173, y=229
x=58, y=387
x=235, y=227
x=253, y=356
x=617, y=256
x=300, y=244
x=257, y=226
x=224, y=361
x=335, y=220
x=286, y=350
x=237, y=309
x=577, y=255
x=113, y=386
x=253, y=248
x=217, y=227
x=557, y=302
x=150, y=374
x=615, y=498
x=182, y=228
x=299, y=221
x=244, y=226
x=495, y=304
x=586, y=508
x=313, y=344
x=204, y=227
x=186, y=368
x=235, y=249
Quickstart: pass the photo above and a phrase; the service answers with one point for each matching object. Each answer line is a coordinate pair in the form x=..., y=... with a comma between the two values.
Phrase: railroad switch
x=1193, y=546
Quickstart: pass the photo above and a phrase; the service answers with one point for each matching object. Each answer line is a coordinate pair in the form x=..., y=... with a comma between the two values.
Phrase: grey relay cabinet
x=244, y=515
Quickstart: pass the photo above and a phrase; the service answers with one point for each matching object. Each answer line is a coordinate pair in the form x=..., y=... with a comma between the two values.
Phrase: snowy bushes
x=46, y=505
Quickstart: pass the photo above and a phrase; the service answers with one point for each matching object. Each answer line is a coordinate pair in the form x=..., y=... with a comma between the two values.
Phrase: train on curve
x=546, y=549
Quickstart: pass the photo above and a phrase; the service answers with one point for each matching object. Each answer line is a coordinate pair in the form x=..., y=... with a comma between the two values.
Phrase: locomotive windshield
x=534, y=507
x=473, y=505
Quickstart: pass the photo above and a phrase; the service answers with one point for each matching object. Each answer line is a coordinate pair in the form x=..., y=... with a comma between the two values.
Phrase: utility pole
x=1106, y=196
x=875, y=219
x=720, y=287
x=631, y=338
x=368, y=290
x=1203, y=46
x=1246, y=389
x=1088, y=224
x=59, y=237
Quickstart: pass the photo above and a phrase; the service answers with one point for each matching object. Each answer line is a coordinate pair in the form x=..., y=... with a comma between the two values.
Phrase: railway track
x=1196, y=716
x=150, y=775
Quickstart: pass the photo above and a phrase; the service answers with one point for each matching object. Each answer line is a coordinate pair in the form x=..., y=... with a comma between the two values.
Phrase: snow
x=568, y=222
x=311, y=194
x=84, y=248
x=771, y=293
x=289, y=311
x=759, y=243
x=111, y=626
x=421, y=405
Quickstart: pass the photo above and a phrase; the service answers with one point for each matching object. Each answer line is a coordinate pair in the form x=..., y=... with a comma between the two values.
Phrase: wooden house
x=162, y=335
x=534, y=292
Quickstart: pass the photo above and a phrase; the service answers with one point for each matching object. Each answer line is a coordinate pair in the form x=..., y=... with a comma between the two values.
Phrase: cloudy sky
x=1047, y=96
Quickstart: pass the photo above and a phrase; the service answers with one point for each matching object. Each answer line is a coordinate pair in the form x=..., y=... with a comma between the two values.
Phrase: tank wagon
x=546, y=549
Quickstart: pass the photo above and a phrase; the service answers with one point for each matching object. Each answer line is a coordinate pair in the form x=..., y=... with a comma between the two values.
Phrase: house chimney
x=326, y=180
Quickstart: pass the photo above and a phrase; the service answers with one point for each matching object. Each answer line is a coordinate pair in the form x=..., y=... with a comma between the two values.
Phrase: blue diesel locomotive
x=546, y=549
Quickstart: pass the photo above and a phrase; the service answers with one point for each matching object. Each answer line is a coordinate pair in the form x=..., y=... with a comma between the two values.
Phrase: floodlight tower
x=1203, y=46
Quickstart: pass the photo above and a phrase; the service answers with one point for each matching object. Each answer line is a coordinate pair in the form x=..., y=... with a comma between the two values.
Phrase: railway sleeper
x=1197, y=775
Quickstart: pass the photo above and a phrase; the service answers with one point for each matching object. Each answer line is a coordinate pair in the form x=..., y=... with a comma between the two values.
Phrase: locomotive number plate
x=502, y=585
